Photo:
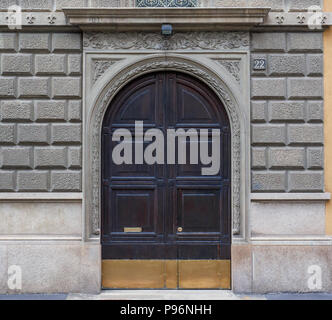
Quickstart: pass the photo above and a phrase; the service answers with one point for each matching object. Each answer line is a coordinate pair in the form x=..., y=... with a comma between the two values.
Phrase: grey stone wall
x=287, y=113
x=40, y=111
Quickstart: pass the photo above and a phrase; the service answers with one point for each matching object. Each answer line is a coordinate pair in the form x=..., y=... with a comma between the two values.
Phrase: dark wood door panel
x=204, y=251
x=133, y=213
x=137, y=103
x=193, y=104
x=137, y=251
x=198, y=211
x=143, y=206
x=179, y=251
x=131, y=171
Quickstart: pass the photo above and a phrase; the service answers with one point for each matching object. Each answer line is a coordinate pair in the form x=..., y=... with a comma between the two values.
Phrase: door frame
x=225, y=71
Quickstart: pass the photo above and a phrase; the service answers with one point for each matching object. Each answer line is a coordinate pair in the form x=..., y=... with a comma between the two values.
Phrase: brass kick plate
x=130, y=229
x=170, y=274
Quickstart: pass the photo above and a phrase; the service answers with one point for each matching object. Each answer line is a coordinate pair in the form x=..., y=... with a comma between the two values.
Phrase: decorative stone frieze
x=155, y=41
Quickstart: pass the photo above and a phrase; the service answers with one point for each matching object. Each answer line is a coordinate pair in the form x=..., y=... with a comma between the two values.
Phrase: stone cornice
x=256, y=197
x=40, y=196
x=184, y=19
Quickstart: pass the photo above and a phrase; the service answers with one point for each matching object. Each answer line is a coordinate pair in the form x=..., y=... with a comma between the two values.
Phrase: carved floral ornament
x=155, y=41
x=157, y=64
x=100, y=67
x=233, y=67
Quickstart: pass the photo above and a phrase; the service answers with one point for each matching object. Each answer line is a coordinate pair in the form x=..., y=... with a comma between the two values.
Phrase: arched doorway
x=166, y=225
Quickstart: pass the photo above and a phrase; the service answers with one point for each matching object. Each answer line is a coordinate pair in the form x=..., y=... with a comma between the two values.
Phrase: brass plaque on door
x=132, y=229
x=170, y=274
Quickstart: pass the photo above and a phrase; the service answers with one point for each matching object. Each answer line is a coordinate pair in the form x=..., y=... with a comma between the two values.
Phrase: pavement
x=168, y=295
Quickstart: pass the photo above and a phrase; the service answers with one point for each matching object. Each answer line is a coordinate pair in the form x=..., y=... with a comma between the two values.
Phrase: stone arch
x=94, y=119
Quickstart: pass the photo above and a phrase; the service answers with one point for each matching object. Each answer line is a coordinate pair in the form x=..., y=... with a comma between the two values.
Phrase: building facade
x=73, y=71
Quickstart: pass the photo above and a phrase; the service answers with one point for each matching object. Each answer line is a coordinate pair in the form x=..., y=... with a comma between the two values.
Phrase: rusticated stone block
x=315, y=64
x=268, y=181
x=305, y=88
x=305, y=134
x=33, y=87
x=55, y=157
x=34, y=42
x=286, y=111
x=302, y=5
x=7, y=87
x=20, y=157
x=258, y=158
x=7, y=182
x=12, y=64
x=258, y=111
x=227, y=3
x=269, y=134
x=50, y=64
x=16, y=111
x=315, y=111
x=268, y=41
x=7, y=41
x=315, y=158
x=59, y=4
x=74, y=110
x=51, y=110
x=75, y=157
x=36, y=4
x=268, y=88
x=306, y=181
x=66, y=133
x=4, y=4
x=114, y=3
x=33, y=133
x=74, y=64
x=275, y=5
x=7, y=133
x=32, y=181
x=66, y=180
x=66, y=41
x=66, y=87
x=287, y=65
x=305, y=42
x=286, y=158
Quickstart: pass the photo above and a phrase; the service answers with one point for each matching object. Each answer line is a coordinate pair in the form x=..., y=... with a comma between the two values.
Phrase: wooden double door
x=165, y=225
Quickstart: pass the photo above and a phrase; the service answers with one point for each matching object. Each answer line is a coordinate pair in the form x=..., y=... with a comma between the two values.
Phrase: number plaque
x=259, y=64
